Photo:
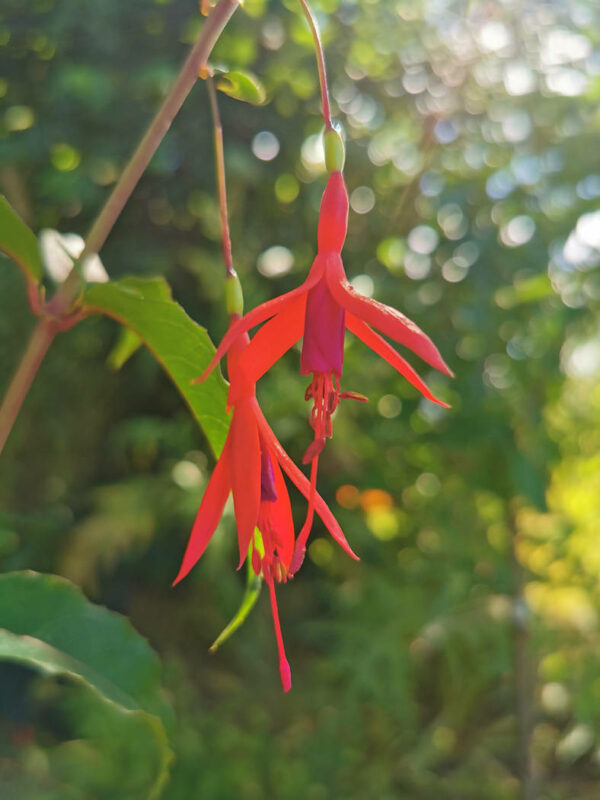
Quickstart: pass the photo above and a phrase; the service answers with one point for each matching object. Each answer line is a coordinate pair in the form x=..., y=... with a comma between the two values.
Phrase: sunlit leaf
x=243, y=86
x=183, y=348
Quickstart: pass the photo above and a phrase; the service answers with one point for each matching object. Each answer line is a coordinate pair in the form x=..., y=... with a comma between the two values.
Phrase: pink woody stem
x=312, y=22
x=39, y=342
x=62, y=302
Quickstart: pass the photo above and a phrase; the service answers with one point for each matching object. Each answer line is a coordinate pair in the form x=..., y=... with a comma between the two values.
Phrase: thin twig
x=312, y=22
x=215, y=22
x=221, y=182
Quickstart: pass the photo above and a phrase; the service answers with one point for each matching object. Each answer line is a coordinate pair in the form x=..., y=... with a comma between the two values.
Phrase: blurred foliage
x=47, y=625
x=475, y=182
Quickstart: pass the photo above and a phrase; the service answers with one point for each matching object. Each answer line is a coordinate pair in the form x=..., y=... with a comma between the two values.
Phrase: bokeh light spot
x=274, y=261
x=265, y=146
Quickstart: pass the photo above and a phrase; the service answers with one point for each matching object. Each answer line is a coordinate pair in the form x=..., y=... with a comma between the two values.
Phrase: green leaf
x=253, y=586
x=126, y=345
x=47, y=624
x=184, y=349
x=19, y=242
x=242, y=85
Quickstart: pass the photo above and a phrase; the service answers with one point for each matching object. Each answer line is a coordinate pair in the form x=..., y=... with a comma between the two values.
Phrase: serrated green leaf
x=184, y=349
x=47, y=624
x=19, y=242
x=242, y=85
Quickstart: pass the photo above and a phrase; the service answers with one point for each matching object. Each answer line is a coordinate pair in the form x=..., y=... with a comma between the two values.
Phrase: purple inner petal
x=324, y=327
x=268, y=491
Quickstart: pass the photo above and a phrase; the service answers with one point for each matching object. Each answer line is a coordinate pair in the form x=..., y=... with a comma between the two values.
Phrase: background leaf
x=18, y=241
x=47, y=624
x=183, y=348
x=126, y=345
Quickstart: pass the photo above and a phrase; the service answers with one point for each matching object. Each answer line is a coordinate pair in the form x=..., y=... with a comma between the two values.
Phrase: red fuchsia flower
x=250, y=467
x=321, y=310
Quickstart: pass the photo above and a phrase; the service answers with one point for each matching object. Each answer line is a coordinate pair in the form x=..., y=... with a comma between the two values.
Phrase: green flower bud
x=234, y=297
x=335, y=150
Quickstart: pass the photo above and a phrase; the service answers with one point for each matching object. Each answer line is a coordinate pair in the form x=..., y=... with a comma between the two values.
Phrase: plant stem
x=312, y=22
x=62, y=302
x=39, y=342
x=197, y=58
x=221, y=182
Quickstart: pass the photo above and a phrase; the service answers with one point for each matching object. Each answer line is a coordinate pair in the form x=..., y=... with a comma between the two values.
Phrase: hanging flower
x=250, y=466
x=321, y=310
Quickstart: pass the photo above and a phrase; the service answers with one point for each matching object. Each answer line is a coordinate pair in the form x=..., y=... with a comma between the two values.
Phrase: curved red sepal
x=261, y=313
x=273, y=340
x=281, y=517
x=245, y=473
x=385, y=318
x=392, y=356
x=209, y=513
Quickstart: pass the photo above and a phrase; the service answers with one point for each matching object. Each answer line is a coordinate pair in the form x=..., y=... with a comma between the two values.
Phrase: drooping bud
x=234, y=298
x=335, y=150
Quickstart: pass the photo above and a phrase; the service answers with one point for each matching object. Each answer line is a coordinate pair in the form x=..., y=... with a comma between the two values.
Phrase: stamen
x=272, y=566
x=362, y=398
x=284, y=667
x=324, y=391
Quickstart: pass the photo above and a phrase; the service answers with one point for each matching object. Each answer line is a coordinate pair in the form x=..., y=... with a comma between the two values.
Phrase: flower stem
x=312, y=23
x=221, y=182
x=39, y=342
x=62, y=303
x=197, y=58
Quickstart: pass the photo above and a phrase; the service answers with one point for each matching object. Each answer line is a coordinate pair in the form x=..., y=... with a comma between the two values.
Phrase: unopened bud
x=335, y=150
x=234, y=298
